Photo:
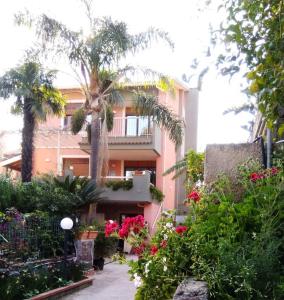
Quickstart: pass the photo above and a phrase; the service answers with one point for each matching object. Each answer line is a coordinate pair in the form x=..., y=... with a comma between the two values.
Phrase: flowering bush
x=133, y=229
x=236, y=247
x=163, y=263
x=110, y=227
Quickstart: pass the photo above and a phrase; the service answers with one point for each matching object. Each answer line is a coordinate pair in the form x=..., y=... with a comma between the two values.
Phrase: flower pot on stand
x=84, y=245
x=87, y=235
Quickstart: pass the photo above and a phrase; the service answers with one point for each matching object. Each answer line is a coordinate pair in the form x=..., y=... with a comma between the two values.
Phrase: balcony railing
x=131, y=126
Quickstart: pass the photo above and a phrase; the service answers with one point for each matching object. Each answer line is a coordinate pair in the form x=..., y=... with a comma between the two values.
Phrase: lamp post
x=66, y=224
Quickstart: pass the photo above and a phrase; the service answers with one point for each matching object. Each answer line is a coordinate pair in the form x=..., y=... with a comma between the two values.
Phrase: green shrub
x=156, y=193
x=31, y=280
x=104, y=246
x=120, y=184
x=6, y=192
x=236, y=247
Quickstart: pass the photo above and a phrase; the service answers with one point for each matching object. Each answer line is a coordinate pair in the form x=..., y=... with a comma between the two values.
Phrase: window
x=67, y=122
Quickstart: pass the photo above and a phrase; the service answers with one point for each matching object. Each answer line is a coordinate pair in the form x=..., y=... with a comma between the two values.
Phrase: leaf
x=78, y=120
x=281, y=130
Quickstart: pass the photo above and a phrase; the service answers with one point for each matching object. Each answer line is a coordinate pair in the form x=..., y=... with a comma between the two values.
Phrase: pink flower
x=163, y=244
x=274, y=170
x=123, y=233
x=194, y=195
x=154, y=249
x=110, y=227
x=181, y=229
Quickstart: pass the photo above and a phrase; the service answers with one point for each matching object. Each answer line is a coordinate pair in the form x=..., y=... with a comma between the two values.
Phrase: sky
x=188, y=26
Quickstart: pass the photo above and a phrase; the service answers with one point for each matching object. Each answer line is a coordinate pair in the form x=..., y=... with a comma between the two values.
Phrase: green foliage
x=57, y=197
x=78, y=120
x=192, y=166
x=253, y=35
x=236, y=247
x=195, y=168
x=84, y=188
x=161, y=273
x=30, y=81
x=120, y=184
x=127, y=185
x=6, y=192
x=105, y=246
x=156, y=193
x=32, y=280
x=148, y=105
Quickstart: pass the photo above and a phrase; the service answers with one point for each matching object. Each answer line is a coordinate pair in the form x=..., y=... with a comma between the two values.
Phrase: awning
x=13, y=163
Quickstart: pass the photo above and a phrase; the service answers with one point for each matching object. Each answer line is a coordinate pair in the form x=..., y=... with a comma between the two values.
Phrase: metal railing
x=131, y=126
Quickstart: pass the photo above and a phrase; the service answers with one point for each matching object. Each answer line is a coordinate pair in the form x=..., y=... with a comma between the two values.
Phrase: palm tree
x=191, y=166
x=95, y=58
x=35, y=98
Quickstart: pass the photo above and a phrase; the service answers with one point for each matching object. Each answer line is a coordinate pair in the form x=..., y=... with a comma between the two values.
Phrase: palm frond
x=144, y=40
x=179, y=166
x=78, y=120
x=148, y=105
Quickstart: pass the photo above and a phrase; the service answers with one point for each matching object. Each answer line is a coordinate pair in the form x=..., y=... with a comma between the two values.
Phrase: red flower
x=140, y=249
x=163, y=243
x=123, y=232
x=255, y=176
x=194, y=195
x=154, y=249
x=181, y=229
x=110, y=227
x=274, y=170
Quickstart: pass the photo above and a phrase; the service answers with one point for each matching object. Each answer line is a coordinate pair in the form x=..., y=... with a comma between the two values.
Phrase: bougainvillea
x=110, y=227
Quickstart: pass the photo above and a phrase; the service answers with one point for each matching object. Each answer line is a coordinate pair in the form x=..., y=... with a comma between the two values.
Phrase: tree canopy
x=254, y=39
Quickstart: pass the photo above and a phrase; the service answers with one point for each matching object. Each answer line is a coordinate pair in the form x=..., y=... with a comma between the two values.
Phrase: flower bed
x=31, y=280
x=235, y=245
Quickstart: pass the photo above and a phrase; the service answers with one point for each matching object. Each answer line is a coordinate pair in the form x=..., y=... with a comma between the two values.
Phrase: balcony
x=138, y=135
x=139, y=193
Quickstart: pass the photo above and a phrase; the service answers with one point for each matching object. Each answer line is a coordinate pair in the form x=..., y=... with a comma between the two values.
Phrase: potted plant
x=104, y=247
x=86, y=232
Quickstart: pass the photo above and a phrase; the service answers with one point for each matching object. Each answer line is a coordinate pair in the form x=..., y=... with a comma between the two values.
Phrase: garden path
x=110, y=284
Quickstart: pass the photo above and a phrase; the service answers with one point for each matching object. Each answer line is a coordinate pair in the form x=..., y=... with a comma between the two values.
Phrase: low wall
x=225, y=158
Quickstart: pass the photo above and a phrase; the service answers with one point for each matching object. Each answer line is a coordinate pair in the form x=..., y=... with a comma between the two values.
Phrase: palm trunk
x=27, y=141
x=95, y=142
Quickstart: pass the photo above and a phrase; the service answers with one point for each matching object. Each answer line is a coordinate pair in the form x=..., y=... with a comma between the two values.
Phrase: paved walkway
x=110, y=284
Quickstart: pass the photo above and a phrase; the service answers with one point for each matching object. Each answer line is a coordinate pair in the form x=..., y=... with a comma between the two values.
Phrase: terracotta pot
x=87, y=235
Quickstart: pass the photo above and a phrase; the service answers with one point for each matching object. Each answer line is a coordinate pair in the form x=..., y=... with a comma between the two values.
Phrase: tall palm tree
x=95, y=58
x=35, y=98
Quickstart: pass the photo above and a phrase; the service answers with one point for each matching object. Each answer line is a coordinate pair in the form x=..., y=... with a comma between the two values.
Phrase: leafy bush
x=120, y=184
x=104, y=247
x=236, y=247
x=31, y=236
x=156, y=193
x=6, y=192
x=56, y=197
x=30, y=281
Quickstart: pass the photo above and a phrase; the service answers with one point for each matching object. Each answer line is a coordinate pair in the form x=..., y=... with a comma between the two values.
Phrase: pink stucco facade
x=57, y=151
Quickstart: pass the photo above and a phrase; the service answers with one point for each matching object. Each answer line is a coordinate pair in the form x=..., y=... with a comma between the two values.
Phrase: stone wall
x=225, y=158
x=191, y=289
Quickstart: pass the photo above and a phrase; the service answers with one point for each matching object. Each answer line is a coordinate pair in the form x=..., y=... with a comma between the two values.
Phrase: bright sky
x=188, y=28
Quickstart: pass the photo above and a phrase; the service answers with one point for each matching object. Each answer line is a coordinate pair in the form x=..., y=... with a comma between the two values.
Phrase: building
x=138, y=149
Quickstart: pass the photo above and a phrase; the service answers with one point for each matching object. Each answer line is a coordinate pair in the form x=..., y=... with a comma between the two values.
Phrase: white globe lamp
x=66, y=224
